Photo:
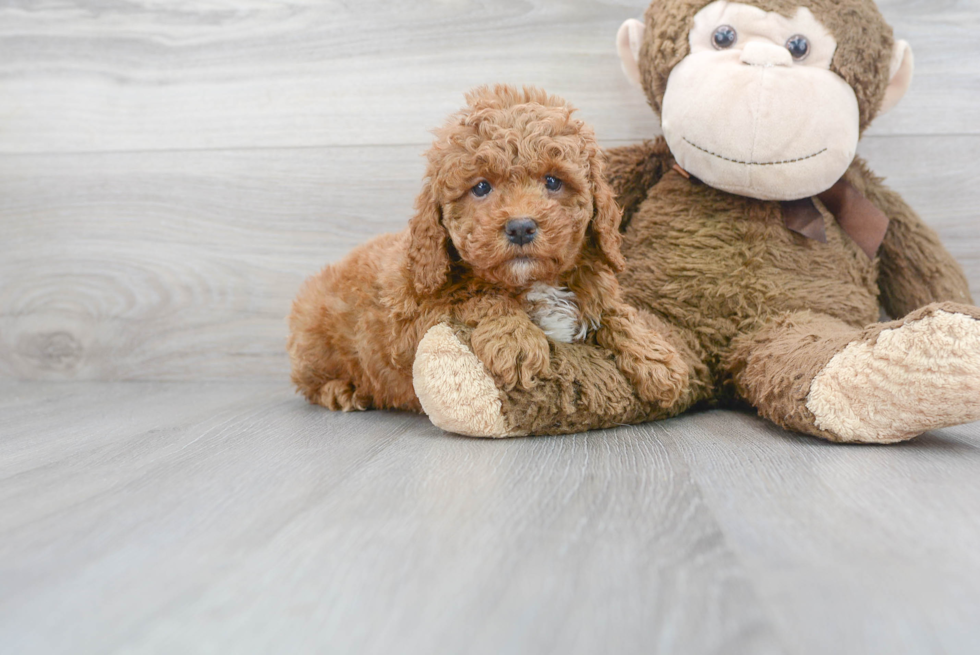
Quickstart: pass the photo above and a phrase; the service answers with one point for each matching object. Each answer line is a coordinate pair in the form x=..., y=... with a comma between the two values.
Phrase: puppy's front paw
x=657, y=371
x=659, y=375
x=515, y=352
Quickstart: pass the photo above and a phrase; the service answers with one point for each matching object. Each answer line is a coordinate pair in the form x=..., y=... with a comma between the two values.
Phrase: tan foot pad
x=454, y=388
x=920, y=376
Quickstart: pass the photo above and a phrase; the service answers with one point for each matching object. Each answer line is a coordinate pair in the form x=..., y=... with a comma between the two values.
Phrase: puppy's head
x=514, y=192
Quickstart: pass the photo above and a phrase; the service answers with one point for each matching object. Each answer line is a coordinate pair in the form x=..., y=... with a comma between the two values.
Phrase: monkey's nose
x=520, y=231
x=760, y=53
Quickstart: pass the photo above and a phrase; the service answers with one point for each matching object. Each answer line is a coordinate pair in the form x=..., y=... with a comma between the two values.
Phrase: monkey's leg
x=585, y=389
x=886, y=383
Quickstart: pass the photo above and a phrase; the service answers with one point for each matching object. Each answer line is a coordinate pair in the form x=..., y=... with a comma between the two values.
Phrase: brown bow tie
x=856, y=215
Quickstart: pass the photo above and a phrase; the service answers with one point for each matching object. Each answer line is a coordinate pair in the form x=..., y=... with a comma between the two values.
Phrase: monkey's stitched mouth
x=753, y=163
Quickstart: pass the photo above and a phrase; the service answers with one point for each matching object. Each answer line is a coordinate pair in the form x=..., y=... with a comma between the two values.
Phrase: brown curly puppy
x=516, y=235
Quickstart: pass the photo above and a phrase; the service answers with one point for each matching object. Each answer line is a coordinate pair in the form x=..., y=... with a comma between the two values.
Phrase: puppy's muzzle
x=521, y=231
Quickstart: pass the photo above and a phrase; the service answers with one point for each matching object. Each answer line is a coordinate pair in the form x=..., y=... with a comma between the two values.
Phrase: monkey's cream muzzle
x=772, y=130
x=752, y=120
x=750, y=111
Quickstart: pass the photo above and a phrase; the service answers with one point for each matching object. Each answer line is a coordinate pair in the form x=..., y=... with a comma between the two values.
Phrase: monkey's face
x=754, y=109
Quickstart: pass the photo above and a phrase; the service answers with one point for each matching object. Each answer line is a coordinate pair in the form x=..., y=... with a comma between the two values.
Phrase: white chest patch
x=555, y=310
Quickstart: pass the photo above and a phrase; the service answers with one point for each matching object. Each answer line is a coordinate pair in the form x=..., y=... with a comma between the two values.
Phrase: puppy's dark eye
x=481, y=189
x=798, y=46
x=724, y=37
x=552, y=183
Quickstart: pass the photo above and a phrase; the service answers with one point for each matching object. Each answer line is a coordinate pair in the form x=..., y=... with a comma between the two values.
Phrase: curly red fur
x=355, y=326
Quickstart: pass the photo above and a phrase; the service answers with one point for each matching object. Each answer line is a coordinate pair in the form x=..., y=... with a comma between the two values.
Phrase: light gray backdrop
x=170, y=172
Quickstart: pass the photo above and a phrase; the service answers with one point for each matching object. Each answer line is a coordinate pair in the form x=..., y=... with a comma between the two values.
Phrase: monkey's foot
x=456, y=391
x=921, y=375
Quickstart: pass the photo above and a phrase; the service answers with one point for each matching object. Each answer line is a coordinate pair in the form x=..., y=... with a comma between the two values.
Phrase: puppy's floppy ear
x=428, y=257
x=606, y=214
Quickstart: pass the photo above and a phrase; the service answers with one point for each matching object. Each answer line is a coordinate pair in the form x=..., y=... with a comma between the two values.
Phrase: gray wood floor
x=233, y=518
x=171, y=171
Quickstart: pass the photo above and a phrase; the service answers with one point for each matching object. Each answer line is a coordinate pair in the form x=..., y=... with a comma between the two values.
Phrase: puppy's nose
x=520, y=230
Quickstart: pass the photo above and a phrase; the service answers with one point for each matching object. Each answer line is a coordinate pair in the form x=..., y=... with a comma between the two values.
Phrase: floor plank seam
x=606, y=143
x=782, y=631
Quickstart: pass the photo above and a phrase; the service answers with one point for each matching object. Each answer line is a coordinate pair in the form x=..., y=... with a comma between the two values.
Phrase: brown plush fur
x=755, y=309
x=356, y=325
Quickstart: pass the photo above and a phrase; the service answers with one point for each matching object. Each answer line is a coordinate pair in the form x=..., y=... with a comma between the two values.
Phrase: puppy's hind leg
x=341, y=395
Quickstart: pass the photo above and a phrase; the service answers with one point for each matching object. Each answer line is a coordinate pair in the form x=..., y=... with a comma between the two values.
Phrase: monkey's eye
x=724, y=37
x=552, y=183
x=481, y=189
x=798, y=46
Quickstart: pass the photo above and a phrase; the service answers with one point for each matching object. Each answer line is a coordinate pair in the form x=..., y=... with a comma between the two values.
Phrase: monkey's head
x=766, y=98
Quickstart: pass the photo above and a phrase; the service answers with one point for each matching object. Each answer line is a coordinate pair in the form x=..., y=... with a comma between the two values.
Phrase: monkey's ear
x=428, y=258
x=900, y=76
x=628, y=41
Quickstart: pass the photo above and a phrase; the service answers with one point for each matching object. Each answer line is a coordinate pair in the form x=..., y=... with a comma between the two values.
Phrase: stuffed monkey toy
x=756, y=243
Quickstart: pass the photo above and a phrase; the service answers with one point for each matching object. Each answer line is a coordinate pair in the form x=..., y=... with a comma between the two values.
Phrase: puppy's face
x=518, y=199
x=521, y=225
x=515, y=190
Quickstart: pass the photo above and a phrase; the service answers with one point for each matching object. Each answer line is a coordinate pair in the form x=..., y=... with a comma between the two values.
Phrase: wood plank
x=940, y=179
x=857, y=549
x=111, y=76
x=40, y=424
x=935, y=30
x=111, y=262
x=182, y=265
x=269, y=525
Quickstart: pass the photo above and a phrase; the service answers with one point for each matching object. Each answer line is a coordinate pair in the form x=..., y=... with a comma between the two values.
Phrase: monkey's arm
x=633, y=170
x=915, y=267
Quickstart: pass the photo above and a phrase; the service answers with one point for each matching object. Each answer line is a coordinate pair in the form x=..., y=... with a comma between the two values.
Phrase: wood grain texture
x=170, y=172
x=230, y=517
x=149, y=517
x=858, y=549
x=112, y=264
x=116, y=75
x=182, y=265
